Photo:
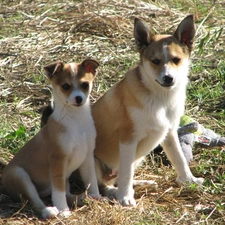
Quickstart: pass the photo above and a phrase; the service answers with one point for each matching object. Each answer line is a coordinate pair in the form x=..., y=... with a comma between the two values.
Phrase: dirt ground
x=35, y=33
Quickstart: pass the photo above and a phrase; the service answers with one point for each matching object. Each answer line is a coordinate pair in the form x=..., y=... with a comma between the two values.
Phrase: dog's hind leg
x=18, y=184
x=175, y=154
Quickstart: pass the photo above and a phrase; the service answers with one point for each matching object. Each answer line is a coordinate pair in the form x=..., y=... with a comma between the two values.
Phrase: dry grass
x=34, y=33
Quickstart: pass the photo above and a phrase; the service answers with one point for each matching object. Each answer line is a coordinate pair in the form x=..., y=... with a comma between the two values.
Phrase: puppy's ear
x=142, y=34
x=53, y=68
x=185, y=32
x=90, y=66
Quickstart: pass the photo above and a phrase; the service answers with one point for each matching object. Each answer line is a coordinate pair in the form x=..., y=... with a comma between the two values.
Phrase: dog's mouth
x=167, y=85
x=77, y=105
x=74, y=104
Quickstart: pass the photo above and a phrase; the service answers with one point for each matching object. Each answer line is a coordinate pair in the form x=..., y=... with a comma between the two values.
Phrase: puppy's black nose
x=78, y=99
x=168, y=79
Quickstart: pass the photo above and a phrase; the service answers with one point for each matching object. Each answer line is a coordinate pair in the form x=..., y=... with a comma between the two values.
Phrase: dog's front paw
x=64, y=213
x=190, y=180
x=198, y=180
x=49, y=212
x=127, y=201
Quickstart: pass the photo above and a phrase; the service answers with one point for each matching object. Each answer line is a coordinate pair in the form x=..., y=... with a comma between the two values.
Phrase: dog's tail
x=3, y=163
x=46, y=112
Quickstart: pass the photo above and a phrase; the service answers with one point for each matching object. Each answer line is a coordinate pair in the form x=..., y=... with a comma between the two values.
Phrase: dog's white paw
x=64, y=213
x=127, y=201
x=190, y=180
x=49, y=212
x=198, y=180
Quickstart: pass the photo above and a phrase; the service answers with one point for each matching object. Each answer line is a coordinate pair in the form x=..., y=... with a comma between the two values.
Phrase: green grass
x=73, y=30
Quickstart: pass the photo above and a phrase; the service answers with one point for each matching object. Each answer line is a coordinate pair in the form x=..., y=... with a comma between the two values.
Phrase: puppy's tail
x=3, y=164
x=46, y=112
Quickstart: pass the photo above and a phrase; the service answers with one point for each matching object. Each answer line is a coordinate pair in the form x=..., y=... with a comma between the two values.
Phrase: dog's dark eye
x=156, y=61
x=66, y=87
x=85, y=85
x=176, y=60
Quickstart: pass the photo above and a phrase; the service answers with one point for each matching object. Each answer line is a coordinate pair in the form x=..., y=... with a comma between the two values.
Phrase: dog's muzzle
x=168, y=81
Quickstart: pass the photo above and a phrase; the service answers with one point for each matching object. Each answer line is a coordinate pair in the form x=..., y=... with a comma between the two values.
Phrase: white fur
x=125, y=193
x=49, y=212
x=59, y=199
x=73, y=68
x=79, y=143
x=165, y=52
x=88, y=175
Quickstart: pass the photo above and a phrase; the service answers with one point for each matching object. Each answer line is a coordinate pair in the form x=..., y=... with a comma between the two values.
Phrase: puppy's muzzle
x=78, y=100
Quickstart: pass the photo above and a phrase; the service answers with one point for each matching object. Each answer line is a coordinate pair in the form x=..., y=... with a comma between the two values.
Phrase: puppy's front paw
x=127, y=201
x=190, y=180
x=64, y=213
x=49, y=212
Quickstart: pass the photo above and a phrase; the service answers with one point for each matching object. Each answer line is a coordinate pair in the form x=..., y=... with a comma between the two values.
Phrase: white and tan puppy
x=143, y=110
x=66, y=143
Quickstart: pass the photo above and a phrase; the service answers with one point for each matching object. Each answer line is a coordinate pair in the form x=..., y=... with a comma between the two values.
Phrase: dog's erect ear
x=185, y=32
x=53, y=68
x=142, y=34
x=90, y=66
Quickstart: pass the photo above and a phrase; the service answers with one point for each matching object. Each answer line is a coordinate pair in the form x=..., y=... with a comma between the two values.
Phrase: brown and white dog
x=143, y=110
x=66, y=143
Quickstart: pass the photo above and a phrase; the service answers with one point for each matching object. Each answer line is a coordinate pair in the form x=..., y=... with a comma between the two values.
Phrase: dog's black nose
x=78, y=99
x=168, y=79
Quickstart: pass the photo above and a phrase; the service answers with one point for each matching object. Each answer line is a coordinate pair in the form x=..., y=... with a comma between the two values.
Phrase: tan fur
x=112, y=119
x=43, y=141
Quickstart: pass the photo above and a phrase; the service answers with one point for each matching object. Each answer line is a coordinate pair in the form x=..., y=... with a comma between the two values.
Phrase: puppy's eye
x=66, y=87
x=156, y=61
x=85, y=85
x=176, y=60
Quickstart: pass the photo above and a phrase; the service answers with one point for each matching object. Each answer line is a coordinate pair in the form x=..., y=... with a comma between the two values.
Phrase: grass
x=34, y=33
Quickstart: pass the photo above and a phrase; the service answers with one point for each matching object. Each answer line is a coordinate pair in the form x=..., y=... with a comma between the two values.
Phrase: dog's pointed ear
x=90, y=66
x=142, y=34
x=53, y=68
x=185, y=32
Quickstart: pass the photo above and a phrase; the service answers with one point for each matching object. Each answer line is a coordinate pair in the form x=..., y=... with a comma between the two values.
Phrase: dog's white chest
x=76, y=142
x=152, y=123
x=152, y=117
